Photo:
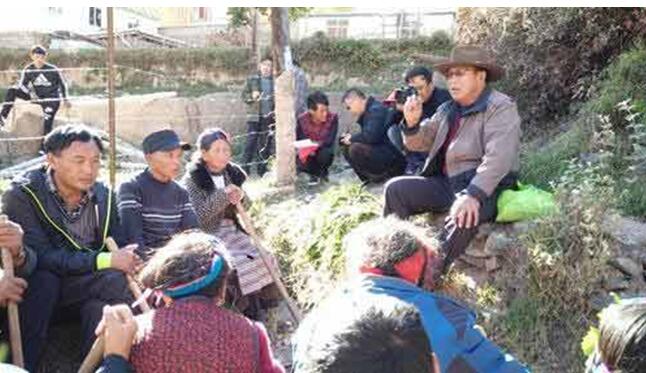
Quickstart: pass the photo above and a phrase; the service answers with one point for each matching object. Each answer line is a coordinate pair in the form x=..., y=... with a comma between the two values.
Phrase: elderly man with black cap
x=152, y=206
x=473, y=145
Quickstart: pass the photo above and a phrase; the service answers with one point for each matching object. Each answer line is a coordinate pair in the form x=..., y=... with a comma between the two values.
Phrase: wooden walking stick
x=291, y=305
x=95, y=355
x=14, y=319
x=132, y=284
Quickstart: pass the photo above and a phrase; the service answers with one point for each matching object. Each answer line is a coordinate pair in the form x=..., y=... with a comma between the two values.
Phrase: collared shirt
x=322, y=133
x=81, y=221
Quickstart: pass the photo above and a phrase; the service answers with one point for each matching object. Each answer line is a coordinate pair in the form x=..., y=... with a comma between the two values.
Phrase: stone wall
x=137, y=116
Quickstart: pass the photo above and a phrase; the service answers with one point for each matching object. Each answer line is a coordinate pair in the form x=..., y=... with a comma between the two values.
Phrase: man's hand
x=234, y=194
x=119, y=328
x=465, y=211
x=11, y=290
x=413, y=111
x=345, y=139
x=255, y=95
x=11, y=238
x=126, y=260
x=67, y=104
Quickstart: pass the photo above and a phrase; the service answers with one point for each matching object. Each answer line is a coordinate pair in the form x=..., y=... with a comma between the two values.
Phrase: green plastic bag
x=525, y=203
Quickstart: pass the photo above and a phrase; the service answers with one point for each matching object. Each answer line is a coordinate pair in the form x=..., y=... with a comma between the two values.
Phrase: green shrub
x=567, y=256
x=624, y=79
x=552, y=55
x=311, y=252
x=347, y=55
x=542, y=165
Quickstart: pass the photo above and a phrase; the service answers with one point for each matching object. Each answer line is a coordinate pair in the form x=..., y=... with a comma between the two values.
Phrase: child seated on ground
x=622, y=339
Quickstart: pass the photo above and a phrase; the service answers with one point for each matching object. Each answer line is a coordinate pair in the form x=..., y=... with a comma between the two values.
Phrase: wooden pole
x=291, y=305
x=255, y=54
x=94, y=357
x=111, y=112
x=284, y=98
x=14, y=318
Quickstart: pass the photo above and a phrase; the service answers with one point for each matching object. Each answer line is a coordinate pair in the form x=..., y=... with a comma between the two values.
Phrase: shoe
x=314, y=180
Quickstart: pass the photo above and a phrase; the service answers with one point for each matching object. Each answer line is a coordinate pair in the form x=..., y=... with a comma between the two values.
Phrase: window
x=337, y=28
x=95, y=17
x=202, y=14
x=55, y=10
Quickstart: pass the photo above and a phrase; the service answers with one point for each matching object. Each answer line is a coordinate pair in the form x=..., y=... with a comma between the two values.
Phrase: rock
x=522, y=227
x=628, y=267
x=473, y=261
x=629, y=232
x=484, y=230
x=475, y=253
x=617, y=284
x=600, y=301
x=491, y=264
x=498, y=243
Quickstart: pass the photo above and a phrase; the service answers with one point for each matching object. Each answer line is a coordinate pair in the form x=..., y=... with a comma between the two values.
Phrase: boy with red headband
x=389, y=264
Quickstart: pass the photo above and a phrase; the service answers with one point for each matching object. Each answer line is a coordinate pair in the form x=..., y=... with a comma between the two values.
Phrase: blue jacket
x=450, y=326
x=30, y=203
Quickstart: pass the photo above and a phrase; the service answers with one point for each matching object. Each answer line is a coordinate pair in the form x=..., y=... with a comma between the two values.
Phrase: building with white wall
x=375, y=23
x=82, y=20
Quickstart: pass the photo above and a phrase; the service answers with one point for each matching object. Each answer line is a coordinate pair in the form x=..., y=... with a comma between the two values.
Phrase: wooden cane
x=291, y=305
x=132, y=284
x=95, y=355
x=14, y=319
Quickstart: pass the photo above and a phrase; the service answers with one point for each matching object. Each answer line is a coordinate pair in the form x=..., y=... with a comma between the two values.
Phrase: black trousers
x=318, y=163
x=260, y=145
x=411, y=195
x=374, y=163
x=50, y=108
x=51, y=297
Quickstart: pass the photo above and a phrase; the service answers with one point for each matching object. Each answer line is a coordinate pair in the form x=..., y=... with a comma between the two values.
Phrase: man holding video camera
x=427, y=98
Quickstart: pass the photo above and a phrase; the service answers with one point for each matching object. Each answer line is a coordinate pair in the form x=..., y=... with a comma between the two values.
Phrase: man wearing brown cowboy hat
x=473, y=143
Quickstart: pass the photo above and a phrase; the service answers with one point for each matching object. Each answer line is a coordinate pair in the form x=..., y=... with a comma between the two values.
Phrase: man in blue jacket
x=389, y=264
x=66, y=216
x=371, y=154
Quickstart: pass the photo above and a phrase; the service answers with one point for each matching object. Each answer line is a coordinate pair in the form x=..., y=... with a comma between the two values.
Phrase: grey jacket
x=486, y=146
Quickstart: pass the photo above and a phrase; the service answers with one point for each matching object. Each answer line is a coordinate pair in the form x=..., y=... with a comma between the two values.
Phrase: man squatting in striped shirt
x=152, y=206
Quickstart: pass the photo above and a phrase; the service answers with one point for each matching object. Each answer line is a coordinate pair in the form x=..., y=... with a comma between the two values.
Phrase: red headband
x=409, y=269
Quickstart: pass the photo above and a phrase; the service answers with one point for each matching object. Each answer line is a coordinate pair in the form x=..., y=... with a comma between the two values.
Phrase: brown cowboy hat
x=472, y=56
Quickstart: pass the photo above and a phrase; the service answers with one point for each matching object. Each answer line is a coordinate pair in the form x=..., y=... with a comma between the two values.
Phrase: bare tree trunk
x=284, y=98
x=255, y=55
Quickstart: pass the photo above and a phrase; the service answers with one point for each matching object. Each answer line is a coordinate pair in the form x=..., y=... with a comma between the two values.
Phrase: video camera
x=403, y=93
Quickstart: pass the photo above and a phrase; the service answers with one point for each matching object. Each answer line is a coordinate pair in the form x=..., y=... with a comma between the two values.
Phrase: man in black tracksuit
x=66, y=216
x=42, y=79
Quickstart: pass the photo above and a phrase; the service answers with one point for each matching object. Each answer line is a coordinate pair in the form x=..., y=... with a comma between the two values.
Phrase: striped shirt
x=152, y=212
